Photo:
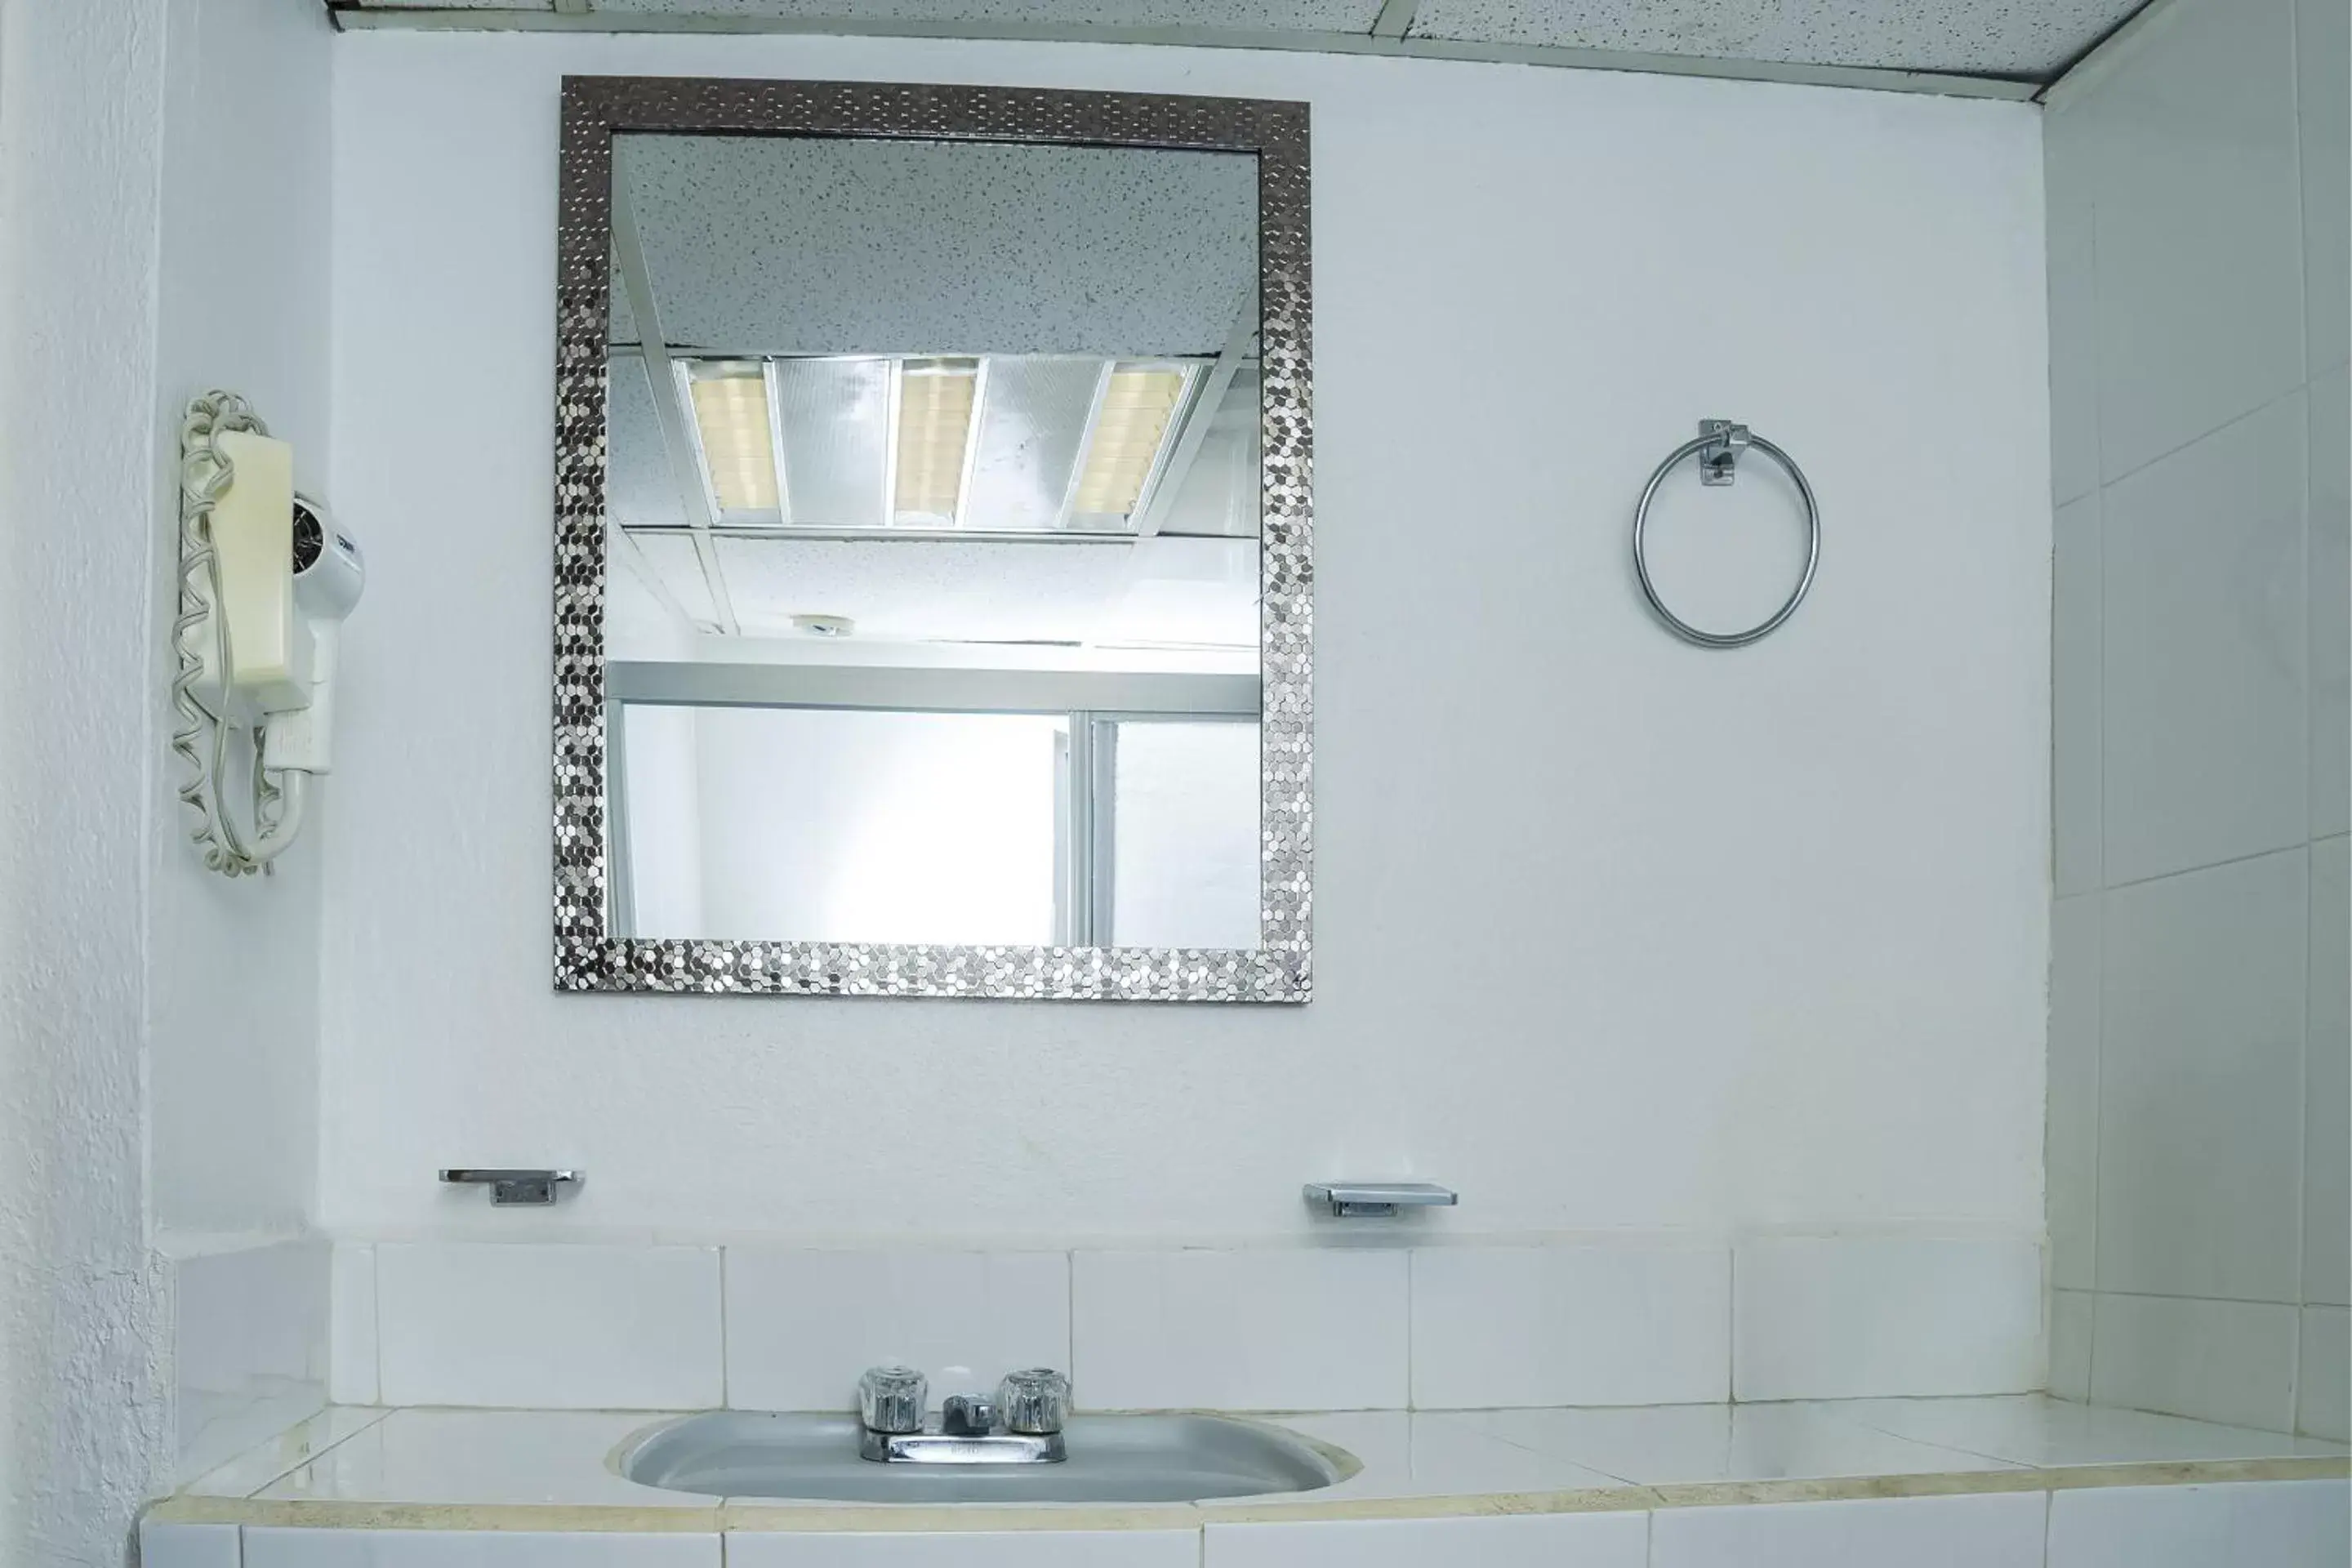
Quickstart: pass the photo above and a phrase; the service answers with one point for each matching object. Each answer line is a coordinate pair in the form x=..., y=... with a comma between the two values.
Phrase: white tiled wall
x=2291, y=1524
x=1272, y=1329
x=1468, y=1326
x=250, y=1347
x=2000, y=1531
x=1835, y=1317
x=2200, y=1059
x=298, y=1548
x=984, y=1549
x=2224, y=1360
x=187, y=1546
x=548, y=1326
x=351, y=1368
x=1495, y=1326
x=802, y=1325
x=1541, y=1541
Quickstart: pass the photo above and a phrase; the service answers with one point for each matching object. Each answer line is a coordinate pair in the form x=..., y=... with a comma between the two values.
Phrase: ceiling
x=759, y=245
x=2001, y=47
x=1055, y=264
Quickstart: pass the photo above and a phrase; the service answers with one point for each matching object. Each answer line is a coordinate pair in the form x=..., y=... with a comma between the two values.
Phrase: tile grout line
x=376, y=1316
x=313, y=1457
x=2224, y=864
x=2099, y=968
x=1412, y=1272
x=2099, y=1028
x=1730, y=1323
x=2303, y=1001
x=2265, y=406
x=2184, y=1295
x=2302, y=239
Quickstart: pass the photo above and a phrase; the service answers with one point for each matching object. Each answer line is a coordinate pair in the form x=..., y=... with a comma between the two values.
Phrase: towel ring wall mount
x=1718, y=449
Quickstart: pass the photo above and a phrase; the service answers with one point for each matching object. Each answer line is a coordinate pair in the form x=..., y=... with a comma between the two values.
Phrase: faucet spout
x=966, y=1416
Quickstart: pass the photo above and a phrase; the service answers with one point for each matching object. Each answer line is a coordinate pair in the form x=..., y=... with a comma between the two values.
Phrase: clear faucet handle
x=1035, y=1402
x=892, y=1399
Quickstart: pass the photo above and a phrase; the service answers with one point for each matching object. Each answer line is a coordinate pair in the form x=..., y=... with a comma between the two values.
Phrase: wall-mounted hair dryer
x=266, y=579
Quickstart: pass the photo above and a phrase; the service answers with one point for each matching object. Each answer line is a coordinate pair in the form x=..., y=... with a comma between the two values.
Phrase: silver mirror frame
x=587, y=957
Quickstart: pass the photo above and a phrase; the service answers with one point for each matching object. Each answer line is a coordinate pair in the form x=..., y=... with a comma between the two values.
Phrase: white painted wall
x=2200, y=1070
x=1613, y=932
x=242, y=305
x=232, y=1006
x=153, y=1093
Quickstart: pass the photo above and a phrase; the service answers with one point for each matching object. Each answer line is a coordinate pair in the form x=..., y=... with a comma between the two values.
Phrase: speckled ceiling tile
x=2006, y=37
x=783, y=245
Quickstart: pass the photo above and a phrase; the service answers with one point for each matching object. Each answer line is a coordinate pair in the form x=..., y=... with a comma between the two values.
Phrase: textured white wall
x=84, y=1427
x=1611, y=932
x=156, y=156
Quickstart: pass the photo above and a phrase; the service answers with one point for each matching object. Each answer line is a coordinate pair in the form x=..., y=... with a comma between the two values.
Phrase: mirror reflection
x=932, y=543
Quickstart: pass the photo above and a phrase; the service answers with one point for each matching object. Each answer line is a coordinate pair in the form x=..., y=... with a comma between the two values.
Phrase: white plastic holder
x=251, y=691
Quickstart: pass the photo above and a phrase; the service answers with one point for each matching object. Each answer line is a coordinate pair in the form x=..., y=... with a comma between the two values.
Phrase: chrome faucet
x=1031, y=1405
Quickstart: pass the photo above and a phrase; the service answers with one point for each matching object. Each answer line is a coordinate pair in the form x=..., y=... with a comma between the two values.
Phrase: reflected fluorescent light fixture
x=730, y=418
x=931, y=440
x=928, y=430
x=1132, y=423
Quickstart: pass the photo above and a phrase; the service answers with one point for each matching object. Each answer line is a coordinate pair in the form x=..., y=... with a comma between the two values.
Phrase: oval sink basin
x=1112, y=1458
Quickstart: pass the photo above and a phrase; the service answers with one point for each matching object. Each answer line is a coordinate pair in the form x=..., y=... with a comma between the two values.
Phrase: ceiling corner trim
x=2102, y=58
x=1394, y=14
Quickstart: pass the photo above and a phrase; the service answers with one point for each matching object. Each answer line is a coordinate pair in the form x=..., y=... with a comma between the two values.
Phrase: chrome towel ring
x=1717, y=450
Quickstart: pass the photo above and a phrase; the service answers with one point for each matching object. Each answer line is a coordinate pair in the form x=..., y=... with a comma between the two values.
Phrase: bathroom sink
x=1112, y=1458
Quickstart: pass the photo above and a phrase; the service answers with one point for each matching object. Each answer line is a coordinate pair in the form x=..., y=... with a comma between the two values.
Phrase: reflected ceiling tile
x=923, y=247
x=1032, y=422
x=925, y=590
x=1188, y=592
x=1987, y=37
x=674, y=562
x=621, y=322
x=639, y=488
x=836, y=421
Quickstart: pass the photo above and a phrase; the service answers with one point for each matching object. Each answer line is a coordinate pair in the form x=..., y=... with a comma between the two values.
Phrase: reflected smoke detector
x=824, y=625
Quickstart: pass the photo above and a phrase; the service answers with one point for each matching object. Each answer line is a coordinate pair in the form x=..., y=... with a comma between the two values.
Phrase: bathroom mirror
x=932, y=543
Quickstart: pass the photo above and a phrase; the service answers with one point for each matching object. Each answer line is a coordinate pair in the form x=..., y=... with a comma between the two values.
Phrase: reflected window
x=826, y=824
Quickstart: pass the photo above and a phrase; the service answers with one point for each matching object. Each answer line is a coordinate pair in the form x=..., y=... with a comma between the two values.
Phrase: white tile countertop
x=538, y=1469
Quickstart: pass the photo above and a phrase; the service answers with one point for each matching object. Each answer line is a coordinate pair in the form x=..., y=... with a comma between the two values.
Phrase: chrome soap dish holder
x=1378, y=1200
x=509, y=1187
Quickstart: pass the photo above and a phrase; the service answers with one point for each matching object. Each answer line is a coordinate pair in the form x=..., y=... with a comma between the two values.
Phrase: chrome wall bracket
x=1718, y=460
x=1378, y=1200
x=517, y=1186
